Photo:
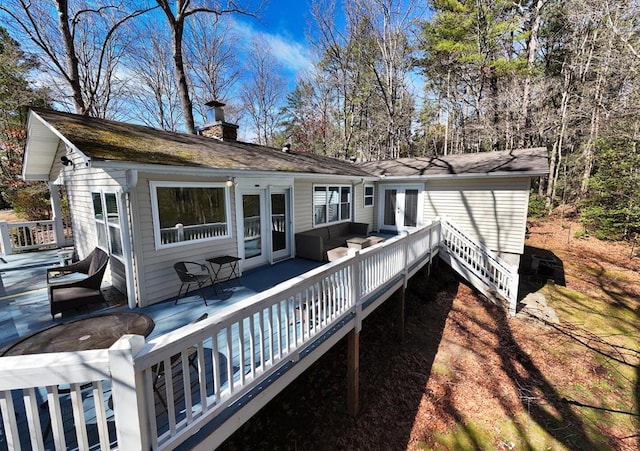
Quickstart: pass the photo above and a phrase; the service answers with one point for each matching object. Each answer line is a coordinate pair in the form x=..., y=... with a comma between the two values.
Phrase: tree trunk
x=525, y=119
x=183, y=88
x=556, y=153
x=73, y=76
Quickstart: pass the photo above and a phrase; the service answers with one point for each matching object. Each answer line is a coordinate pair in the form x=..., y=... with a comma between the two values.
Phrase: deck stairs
x=233, y=363
x=479, y=265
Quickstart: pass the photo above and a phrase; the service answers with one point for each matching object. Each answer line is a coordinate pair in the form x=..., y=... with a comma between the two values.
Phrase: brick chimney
x=216, y=127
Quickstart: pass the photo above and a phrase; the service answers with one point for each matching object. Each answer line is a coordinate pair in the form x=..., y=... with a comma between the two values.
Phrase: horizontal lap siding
x=492, y=210
x=362, y=213
x=303, y=205
x=157, y=278
x=304, y=202
x=80, y=181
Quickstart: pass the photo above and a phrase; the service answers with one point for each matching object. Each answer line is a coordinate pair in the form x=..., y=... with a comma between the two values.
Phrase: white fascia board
x=53, y=130
x=504, y=174
x=215, y=172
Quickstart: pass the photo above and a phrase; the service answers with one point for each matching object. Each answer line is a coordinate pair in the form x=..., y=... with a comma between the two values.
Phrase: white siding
x=303, y=202
x=492, y=210
x=303, y=205
x=362, y=214
x=80, y=182
x=156, y=277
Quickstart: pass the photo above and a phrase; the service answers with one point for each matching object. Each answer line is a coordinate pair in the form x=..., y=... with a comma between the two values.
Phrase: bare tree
x=389, y=24
x=176, y=20
x=212, y=60
x=152, y=87
x=263, y=94
x=80, y=44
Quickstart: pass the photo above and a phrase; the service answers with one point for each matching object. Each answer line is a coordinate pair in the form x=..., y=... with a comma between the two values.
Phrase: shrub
x=611, y=209
x=32, y=202
x=537, y=206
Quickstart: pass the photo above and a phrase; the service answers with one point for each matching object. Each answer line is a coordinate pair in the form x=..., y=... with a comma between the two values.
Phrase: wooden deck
x=255, y=342
x=24, y=308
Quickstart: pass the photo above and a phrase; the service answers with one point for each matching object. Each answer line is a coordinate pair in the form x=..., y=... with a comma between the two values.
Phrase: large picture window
x=331, y=204
x=189, y=212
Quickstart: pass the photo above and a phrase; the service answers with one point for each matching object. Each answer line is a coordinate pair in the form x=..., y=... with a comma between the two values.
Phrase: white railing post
x=58, y=227
x=356, y=290
x=127, y=391
x=5, y=239
x=180, y=232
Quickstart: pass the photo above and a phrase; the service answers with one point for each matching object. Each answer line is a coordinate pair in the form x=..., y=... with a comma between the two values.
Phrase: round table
x=93, y=332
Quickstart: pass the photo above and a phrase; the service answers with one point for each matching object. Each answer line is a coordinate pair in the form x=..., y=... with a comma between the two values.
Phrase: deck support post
x=353, y=373
x=400, y=294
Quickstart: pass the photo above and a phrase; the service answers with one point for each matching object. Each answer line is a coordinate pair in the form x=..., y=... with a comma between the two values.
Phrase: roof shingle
x=105, y=140
x=533, y=160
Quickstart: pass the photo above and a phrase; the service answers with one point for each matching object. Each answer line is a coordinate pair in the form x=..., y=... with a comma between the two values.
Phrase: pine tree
x=16, y=95
x=611, y=208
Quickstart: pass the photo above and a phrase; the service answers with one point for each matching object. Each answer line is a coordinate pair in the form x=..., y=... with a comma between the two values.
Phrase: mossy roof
x=531, y=161
x=105, y=140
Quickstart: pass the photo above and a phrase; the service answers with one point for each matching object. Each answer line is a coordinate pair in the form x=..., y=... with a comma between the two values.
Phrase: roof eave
x=47, y=136
x=502, y=174
x=209, y=171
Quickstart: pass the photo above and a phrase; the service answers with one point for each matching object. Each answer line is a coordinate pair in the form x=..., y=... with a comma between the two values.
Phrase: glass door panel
x=390, y=207
x=410, y=208
x=252, y=225
x=278, y=222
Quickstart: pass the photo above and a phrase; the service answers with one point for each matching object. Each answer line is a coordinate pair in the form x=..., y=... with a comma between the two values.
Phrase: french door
x=265, y=235
x=401, y=208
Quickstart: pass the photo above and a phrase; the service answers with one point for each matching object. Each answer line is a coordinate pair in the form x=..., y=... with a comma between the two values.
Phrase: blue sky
x=281, y=26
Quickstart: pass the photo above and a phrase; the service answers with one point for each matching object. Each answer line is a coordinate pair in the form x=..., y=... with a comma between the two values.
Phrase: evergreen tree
x=16, y=95
x=611, y=208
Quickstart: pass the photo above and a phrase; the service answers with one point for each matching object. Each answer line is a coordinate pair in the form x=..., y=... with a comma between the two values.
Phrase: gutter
x=216, y=172
x=502, y=174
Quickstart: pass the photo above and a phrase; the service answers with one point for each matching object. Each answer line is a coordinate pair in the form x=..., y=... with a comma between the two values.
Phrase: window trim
x=371, y=196
x=105, y=224
x=327, y=186
x=153, y=185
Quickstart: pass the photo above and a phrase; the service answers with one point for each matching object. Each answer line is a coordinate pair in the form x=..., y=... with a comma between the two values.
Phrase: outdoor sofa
x=315, y=243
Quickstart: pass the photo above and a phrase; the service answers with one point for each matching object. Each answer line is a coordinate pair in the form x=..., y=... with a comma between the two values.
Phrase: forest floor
x=9, y=216
x=468, y=376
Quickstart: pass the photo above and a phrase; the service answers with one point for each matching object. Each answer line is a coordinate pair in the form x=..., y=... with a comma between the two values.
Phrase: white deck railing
x=24, y=236
x=181, y=232
x=212, y=365
x=477, y=260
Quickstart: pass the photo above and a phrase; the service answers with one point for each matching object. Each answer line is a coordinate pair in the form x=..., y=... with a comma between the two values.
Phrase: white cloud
x=294, y=56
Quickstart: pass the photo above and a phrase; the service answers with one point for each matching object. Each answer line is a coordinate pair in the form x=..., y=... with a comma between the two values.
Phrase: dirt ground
x=468, y=376
x=8, y=216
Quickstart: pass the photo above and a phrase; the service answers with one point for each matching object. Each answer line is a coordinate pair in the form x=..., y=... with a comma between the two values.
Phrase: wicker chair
x=68, y=295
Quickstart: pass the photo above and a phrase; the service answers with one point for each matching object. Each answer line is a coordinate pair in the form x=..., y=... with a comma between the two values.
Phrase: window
x=113, y=223
x=368, y=195
x=101, y=230
x=331, y=204
x=189, y=212
x=107, y=225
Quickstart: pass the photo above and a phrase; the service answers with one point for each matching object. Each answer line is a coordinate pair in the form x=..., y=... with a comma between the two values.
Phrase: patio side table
x=218, y=263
